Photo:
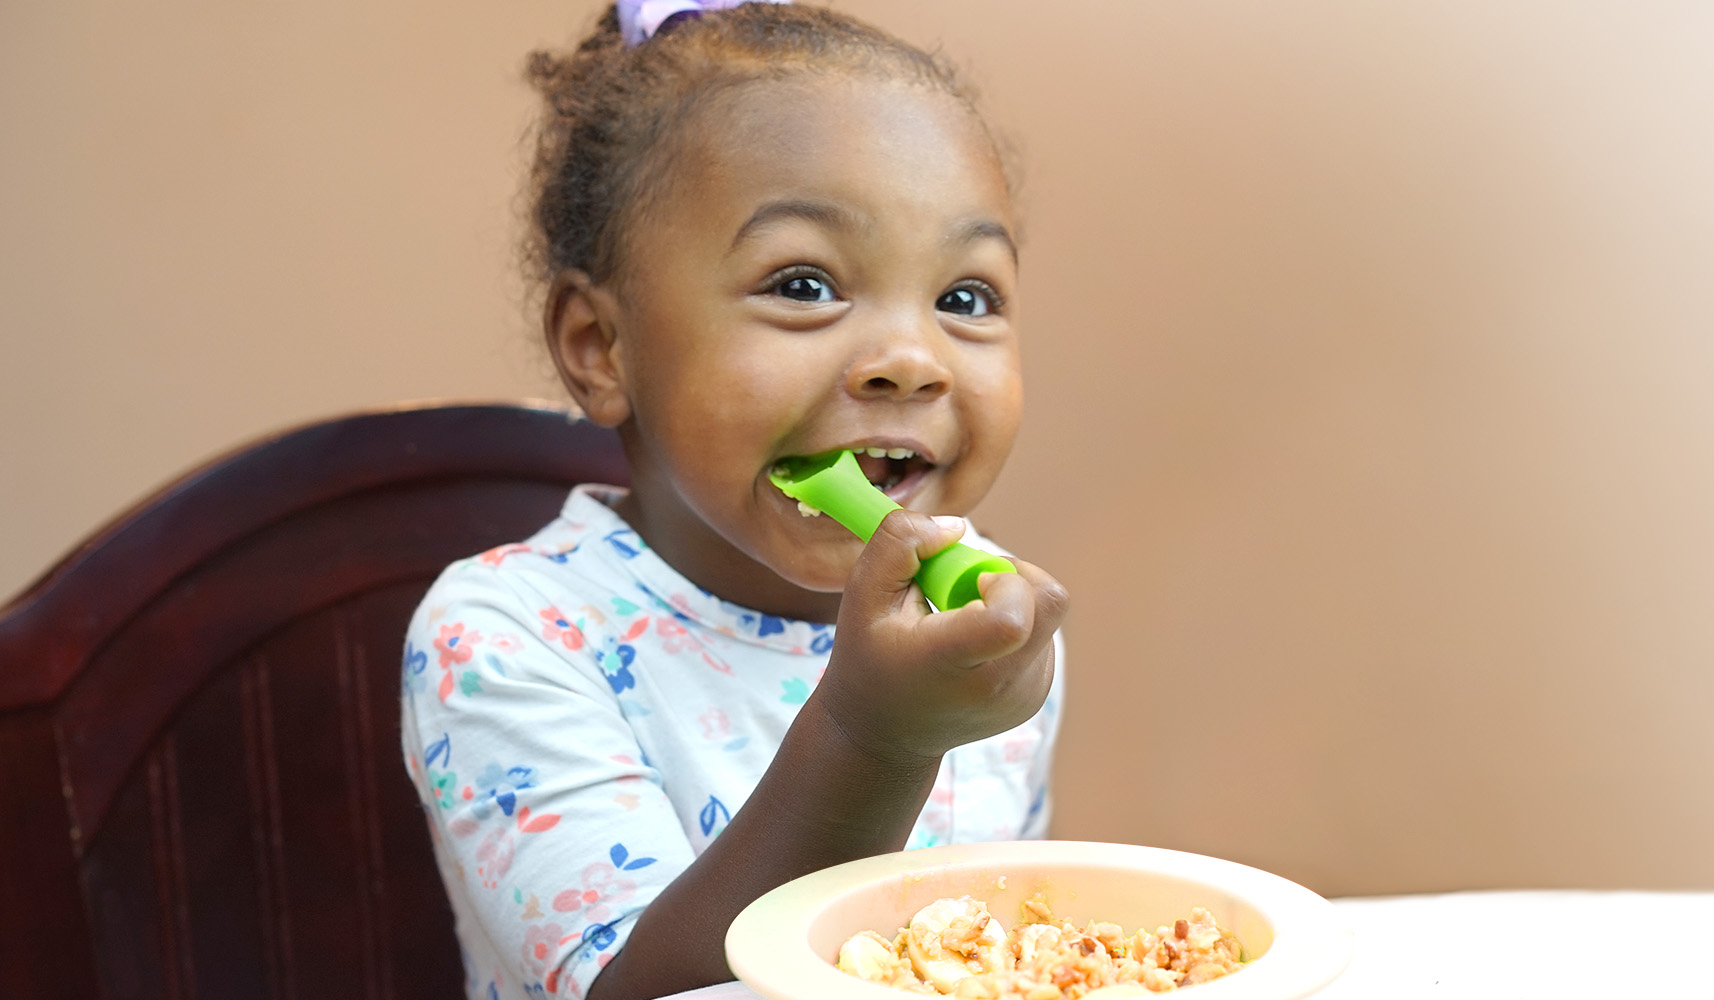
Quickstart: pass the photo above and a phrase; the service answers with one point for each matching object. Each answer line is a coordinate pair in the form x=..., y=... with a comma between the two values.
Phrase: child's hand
x=904, y=682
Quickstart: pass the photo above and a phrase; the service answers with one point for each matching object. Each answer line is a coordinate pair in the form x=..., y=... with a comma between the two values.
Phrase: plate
x=784, y=944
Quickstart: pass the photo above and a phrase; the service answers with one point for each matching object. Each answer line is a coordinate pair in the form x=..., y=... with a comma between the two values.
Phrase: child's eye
x=800, y=286
x=969, y=300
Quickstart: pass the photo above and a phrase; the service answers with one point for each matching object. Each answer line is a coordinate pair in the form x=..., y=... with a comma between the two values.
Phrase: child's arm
x=902, y=687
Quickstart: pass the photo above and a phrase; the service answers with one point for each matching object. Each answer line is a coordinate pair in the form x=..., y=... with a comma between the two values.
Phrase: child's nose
x=902, y=363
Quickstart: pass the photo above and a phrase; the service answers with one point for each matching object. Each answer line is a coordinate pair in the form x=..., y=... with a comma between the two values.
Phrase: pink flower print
x=595, y=898
x=715, y=724
x=674, y=637
x=540, y=940
x=571, y=900
x=556, y=627
x=716, y=664
x=456, y=644
x=505, y=642
x=494, y=857
x=494, y=556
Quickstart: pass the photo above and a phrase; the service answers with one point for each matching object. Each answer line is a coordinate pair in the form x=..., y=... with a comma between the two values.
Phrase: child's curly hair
x=612, y=114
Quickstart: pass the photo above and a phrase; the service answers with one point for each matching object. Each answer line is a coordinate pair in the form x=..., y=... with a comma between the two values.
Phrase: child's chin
x=821, y=572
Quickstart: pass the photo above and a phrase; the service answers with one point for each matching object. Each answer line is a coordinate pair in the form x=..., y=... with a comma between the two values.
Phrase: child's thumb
x=895, y=552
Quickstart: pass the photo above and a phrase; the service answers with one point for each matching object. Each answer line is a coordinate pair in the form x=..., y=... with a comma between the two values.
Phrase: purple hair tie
x=640, y=20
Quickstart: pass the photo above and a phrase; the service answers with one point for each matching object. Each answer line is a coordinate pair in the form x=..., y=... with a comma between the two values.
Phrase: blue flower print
x=562, y=556
x=439, y=752
x=415, y=662
x=626, y=542
x=615, y=658
x=500, y=786
x=714, y=817
x=623, y=861
x=764, y=625
x=822, y=641
x=600, y=936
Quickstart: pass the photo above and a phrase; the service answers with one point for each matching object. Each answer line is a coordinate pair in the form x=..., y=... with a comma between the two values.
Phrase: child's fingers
x=1016, y=610
x=885, y=570
x=983, y=630
x=1051, y=599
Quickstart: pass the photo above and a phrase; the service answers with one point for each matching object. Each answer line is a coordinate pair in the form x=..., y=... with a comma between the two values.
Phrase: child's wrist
x=866, y=757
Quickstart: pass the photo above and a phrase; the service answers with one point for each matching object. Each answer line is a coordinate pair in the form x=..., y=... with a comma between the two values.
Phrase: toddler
x=764, y=231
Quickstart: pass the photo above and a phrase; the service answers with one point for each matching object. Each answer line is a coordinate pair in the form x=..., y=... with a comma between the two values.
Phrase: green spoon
x=834, y=484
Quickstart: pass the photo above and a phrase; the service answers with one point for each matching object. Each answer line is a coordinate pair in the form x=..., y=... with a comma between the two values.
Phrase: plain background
x=1370, y=359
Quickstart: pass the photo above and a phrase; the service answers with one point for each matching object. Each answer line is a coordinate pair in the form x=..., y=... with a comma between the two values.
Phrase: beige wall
x=1370, y=351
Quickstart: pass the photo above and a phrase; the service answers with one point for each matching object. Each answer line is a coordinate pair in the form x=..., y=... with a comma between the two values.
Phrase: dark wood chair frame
x=203, y=792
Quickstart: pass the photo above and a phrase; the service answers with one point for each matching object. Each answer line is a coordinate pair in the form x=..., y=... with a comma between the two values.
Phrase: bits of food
x=955, y=947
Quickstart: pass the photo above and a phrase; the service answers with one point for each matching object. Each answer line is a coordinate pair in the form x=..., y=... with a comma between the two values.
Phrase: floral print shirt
x=581, y=721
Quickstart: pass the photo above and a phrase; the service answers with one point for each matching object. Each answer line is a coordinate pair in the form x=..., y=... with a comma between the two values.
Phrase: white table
x=1575, y=944
x=1558, y=945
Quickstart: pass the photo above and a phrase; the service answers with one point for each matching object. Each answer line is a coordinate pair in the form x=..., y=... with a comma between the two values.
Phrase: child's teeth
x=806, y=510
x=876, y=452
x=900, y=453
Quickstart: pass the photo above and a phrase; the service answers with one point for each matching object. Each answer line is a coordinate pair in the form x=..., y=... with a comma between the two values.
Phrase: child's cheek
x=822, y=566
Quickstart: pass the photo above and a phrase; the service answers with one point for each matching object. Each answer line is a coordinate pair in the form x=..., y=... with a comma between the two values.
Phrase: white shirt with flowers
x=581, y=721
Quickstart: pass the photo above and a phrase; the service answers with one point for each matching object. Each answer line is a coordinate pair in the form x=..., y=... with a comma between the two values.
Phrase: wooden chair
x=202, y=789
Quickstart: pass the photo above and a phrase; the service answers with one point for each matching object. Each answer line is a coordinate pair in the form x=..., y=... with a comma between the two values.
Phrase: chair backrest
x=203, y=792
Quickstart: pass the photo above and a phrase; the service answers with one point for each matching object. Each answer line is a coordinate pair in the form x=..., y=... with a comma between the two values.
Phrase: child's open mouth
x=891, y=469
x=894, y=471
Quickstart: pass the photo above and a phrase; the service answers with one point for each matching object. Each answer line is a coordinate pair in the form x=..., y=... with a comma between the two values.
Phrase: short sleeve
x=551, y=828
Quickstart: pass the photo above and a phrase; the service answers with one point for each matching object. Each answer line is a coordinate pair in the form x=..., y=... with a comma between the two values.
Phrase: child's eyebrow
x=837, y=218
x=985, y=229
x=820, y=212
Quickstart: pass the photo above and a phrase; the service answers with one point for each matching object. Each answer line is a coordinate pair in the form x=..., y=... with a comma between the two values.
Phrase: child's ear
x=580, y=335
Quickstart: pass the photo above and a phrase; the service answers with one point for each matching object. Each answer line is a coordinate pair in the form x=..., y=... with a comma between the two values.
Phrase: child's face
x=831, y=267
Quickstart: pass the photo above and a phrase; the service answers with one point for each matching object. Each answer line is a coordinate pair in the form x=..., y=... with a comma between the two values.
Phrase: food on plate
x=955, y=947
